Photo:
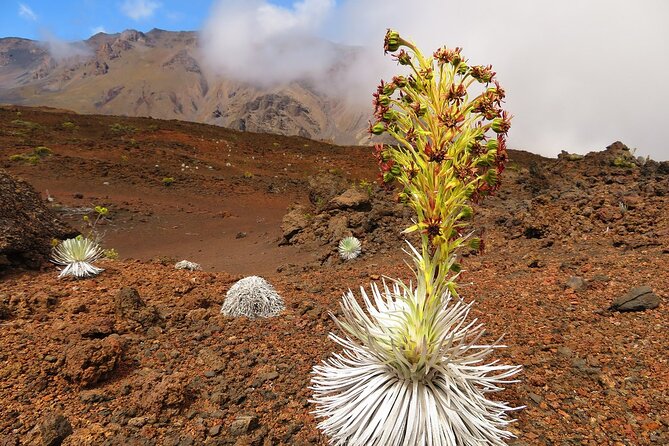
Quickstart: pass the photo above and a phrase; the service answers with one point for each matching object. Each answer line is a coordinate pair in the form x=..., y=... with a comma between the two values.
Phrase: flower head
x=77, y=255
x=349, y=248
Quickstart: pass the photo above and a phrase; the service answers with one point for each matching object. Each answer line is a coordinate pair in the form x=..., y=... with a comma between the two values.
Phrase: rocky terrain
x=573, y=273
x=162, y=74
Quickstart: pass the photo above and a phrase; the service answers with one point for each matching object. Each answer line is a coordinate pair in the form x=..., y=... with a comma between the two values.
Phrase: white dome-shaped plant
x=349, y=248
x=413, y=370
x=77, y=256
x=252, y=297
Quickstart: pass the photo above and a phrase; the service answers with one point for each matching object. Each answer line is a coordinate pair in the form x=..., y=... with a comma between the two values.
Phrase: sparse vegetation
x=33, y=157
x=26, y=124
x=68, y=125
x=111, y=254
x=248, y=175
x=122, y=128
x=623, y=162
x=42, y=151
x=367, y=186
x=168, y=181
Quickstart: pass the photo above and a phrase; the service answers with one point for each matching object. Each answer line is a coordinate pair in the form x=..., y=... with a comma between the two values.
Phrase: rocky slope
x=162, y=74
x=141, y=355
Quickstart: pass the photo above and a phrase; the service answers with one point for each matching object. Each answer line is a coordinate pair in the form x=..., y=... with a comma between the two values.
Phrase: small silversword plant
x=413, y=370
x=77, y=256
x=252, y=297
x=349, y=248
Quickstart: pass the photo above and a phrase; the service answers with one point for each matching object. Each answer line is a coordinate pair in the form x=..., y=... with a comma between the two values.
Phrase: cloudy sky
x=579, y=74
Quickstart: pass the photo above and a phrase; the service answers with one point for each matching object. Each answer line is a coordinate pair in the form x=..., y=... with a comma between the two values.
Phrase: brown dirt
x=173, y=371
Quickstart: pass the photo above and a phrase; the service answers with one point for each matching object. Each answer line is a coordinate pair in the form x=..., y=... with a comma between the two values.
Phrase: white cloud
x=578, y=75
x=61, y=49
x=139, y=9
x=26, y=12
x=266, y=44
x=98, y=29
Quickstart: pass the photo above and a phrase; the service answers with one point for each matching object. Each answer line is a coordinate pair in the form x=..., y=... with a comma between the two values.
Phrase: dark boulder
x=27, y=225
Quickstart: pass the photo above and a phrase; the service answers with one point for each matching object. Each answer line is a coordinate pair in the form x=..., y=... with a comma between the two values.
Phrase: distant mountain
x=161, y=74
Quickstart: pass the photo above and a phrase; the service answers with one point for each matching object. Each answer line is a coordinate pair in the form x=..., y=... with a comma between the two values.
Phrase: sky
x=579, y=74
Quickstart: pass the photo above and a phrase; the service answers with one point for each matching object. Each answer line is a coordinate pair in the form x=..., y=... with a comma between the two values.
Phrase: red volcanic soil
x=163, y=367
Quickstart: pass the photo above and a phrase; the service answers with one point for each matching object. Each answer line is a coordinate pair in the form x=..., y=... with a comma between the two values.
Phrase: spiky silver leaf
x=77, y=255
x=404, y=379
x=252, y=297
x=186, y=264
x=349, y=248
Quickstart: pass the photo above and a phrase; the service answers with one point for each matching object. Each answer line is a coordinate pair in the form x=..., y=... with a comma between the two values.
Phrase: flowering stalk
x=412, y=371
x=451, y=148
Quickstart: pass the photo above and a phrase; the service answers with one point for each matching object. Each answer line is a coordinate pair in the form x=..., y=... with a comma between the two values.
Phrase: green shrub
x=167, y=181
x=42, y=151
x=27, y=124
x=117, y=127
x=623, y=162
x=17, y=157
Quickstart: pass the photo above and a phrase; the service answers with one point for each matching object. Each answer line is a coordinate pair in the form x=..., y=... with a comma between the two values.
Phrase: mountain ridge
x=162, y=74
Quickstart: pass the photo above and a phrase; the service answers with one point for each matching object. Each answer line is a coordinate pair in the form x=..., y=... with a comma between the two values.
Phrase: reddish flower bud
x=403, y=58
x=384, y=100
x=446, y=55
x=482, y=73
x=419, y=109
x=400, y=81
x=377, y=129
x=501, y=124
x=392, y=41
x=389, y=88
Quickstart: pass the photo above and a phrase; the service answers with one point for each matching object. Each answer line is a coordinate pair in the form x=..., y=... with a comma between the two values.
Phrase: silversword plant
x=77, y=256
x=349, y=248
x=188, y=265
x=413, y=370
x=252, y=297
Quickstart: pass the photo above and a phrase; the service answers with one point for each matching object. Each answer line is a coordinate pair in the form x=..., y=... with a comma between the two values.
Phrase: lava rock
x=576, y=283
x=243, y=425
x=5, y=312
x=351, y=199
x=54, y=428
x=89, y=362
x=27, y=225
x=293, y=223
x=637, y=299
x=324, y=186
x=129, y=305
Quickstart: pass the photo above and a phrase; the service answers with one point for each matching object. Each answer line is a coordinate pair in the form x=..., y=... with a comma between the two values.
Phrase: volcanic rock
x=293, y=222
x=576, y=283
x=89, y=362
x=637, y=299
x=351, y=199
x=27, y=225
x=54, y=429
x=323, y=187
x=243, y=425
x=130, y=306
